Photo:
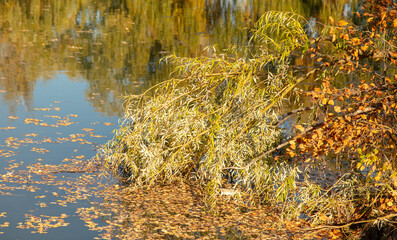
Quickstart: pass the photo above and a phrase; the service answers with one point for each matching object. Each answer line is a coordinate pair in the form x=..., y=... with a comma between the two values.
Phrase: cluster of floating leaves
x=42, y=223
x=116, y=212
x=37, y=177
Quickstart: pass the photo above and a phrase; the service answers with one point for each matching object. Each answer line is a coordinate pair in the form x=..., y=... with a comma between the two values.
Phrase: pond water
x=64, y=66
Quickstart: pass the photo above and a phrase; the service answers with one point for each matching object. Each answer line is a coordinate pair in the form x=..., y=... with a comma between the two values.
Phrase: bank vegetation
x=220, y=122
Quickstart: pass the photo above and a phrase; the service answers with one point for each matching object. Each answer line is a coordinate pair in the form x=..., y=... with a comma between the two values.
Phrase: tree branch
x=349, y=224
x=307, y=130
x=288, y=114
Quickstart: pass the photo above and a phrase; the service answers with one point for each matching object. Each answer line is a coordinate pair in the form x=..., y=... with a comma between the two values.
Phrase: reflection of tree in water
x=154, y=57
x=118, y=6
x=15, y=76
x=312, y=7
x=115, y=45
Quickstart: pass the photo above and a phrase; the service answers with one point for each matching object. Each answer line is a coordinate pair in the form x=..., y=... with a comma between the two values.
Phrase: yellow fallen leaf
x=87, y=129
x=42, y=109
x=8, y=128
x=337, y=109
x=342, y=23
x=31, y=135
x=96, y=136
x=52, y=116
x=300, y=128
x=364, y=47
x=291, y=154
x=6, y=224
x=323, y=217
x=31, y=120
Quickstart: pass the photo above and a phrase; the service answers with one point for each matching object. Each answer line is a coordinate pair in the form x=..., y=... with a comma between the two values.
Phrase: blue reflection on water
x=62, y=96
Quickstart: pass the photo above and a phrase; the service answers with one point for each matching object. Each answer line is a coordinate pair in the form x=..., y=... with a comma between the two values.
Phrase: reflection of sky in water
x=69, y=96
x=347, y=10
x=311, y=27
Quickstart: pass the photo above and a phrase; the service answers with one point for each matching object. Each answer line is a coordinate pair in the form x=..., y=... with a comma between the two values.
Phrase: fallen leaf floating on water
x=12, y=117
x=12, y=142
x=46, y=140
x=6, y=224
x=8, y=128
x=43, y=223
x=7, y=154
x=42, y=109
x=40, y=150
x=87, y=129
x=108, y=124
x=65, y=122
x=31, y=135
x=96, y=136
x=77, y=135
x=32, y=120
x=52, y=116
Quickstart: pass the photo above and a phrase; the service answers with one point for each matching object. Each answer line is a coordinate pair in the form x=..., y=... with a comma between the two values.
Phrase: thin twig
x=350, y=223
x=288, y=114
